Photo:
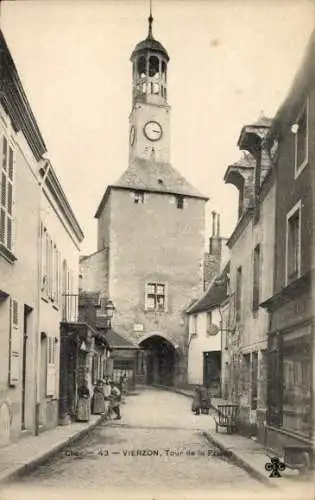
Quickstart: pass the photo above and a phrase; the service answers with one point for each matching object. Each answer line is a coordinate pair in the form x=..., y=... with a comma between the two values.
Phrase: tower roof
x=150, y=43
x=154, y=177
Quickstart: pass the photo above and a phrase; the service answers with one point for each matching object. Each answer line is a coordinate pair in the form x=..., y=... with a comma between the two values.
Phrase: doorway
x=43, y=377
x=26, y=321
x=212, y=372
x=160, y=360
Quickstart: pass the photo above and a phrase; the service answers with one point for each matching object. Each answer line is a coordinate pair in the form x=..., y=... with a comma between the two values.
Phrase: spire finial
x=150, y=19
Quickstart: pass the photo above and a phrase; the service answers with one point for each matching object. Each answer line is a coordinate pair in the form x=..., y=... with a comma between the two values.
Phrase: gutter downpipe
x=39, y=278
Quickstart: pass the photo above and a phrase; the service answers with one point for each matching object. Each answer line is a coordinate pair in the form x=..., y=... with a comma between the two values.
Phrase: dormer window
x=180, y=202
x=138, y=197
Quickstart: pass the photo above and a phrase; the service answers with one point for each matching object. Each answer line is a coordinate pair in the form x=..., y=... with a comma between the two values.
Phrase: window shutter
x=166, y=297
x=43, y=256
x=55, y=275
x=51, y=367
x=58, y=284
x=51, y=269
x=14, y=347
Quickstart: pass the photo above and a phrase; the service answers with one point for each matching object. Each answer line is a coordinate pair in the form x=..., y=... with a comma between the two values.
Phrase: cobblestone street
x=157, y=446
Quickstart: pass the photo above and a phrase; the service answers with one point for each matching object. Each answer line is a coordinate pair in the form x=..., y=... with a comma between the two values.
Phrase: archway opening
x=160, y=360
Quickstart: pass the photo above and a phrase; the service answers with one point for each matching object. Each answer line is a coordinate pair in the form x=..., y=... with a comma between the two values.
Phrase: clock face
x=153, y=131
x=132, y=135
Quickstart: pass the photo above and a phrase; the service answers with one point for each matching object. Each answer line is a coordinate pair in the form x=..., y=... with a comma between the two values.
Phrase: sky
x=230, y=60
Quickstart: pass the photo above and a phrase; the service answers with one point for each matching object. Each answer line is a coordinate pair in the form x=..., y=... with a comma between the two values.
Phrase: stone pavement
x=177, y=459
x=248, y=454
x=27, y=453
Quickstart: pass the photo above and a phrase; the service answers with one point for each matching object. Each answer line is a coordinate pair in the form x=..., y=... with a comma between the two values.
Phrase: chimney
x=213, y=222
x=218, y=225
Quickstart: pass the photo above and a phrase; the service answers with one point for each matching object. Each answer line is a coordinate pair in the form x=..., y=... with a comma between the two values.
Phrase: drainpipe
x=41, y=183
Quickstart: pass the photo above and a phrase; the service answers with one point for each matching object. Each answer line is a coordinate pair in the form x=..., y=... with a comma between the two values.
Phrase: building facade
x=251, y=279
x=290, y=419
x=61, y=236
x=152, y=222
x=205, y=317
x=205, y=336
x=22, y=147
x=39, y=245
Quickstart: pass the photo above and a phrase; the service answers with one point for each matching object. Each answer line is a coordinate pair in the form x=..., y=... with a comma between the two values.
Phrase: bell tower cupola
x=149, y=69
x=149, y=131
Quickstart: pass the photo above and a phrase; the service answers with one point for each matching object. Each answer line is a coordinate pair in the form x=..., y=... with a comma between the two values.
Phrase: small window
x=301, y=141
x=138, y=197
x=293, y=254
x=180, y=202
x=155, y=297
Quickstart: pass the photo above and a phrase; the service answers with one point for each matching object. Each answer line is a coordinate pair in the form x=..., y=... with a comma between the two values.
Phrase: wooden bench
x=227, y=417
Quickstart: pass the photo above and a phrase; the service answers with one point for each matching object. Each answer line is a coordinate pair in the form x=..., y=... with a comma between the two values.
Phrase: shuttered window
x=7, y=196
x=51, y=366
x=14, y=347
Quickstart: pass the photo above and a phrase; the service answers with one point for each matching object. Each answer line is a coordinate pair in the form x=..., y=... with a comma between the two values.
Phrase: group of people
x=106, y=399
x=201, y=400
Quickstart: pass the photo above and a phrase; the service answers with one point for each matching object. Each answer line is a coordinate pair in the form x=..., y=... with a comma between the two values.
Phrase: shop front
x=83, y=357
x=290, y=374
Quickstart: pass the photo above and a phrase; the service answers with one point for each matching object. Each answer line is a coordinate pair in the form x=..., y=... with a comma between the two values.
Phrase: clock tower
x=149, y=131
x=151, y=235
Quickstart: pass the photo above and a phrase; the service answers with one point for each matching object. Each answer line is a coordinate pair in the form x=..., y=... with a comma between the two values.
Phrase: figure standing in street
x=196, y=404
x=83, y=406
x=115, y=400
x=204, y=400
x=107, y=390
x=123, y=387
x=98, y=400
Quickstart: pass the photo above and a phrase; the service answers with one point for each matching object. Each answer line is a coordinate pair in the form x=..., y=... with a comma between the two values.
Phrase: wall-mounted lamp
x=295, y=128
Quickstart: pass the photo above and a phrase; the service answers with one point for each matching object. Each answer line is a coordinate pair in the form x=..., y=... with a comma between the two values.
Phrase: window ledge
x=7, y=254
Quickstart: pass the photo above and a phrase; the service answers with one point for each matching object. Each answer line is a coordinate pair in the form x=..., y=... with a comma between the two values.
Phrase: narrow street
x=113, y=455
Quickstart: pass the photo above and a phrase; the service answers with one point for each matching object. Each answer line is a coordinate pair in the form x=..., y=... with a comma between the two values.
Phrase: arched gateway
x=159, y=360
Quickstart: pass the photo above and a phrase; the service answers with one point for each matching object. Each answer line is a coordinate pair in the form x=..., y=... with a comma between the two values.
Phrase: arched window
x=154, y=66
x=142, y=66
x=164, y=70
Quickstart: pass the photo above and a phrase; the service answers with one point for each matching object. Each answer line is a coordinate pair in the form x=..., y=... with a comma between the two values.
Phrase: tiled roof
x=117, y=341
x=246, y=161
x=154, y=177
x=157, y=177
x=263, y=121
x=215, y=295
x=150, y=44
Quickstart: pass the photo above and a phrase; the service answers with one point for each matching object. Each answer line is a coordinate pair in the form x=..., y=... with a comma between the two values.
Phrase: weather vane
x=150, y=19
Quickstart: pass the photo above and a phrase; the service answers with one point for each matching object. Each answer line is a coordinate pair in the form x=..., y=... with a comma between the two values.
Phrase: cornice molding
x=54, y=187
x=15, y=103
